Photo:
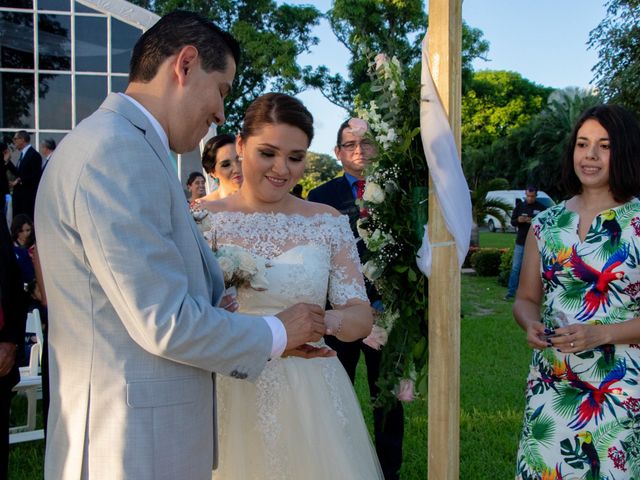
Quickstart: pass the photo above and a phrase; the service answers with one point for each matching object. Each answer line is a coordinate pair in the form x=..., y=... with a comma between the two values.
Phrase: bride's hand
x=333, y=322
x=309, y=351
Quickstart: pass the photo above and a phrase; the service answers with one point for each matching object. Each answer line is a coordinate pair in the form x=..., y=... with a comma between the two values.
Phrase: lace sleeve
x=345, y=278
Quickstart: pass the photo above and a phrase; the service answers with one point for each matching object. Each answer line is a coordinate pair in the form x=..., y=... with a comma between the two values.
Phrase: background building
x=60, y=58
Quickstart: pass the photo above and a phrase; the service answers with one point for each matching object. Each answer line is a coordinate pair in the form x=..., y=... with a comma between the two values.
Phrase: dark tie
x=20, y=159
x=359, y=192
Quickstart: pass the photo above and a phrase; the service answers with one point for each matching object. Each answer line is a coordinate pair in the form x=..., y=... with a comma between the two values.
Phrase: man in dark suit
x=13, y=314
x=27, y=173
x=47, y=147
x=5, y=154
x=355, y=152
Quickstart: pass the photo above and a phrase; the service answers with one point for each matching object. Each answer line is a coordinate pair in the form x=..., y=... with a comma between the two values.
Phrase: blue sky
x=543, y=40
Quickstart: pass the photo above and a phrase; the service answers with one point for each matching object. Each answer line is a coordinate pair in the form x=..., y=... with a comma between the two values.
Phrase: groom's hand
x=303, y=322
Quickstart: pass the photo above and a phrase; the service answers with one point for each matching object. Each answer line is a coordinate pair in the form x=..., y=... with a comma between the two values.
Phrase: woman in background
x=579, y=303
x=223, y=165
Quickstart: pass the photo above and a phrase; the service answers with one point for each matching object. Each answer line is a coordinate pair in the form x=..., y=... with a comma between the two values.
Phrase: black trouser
x=388, y=429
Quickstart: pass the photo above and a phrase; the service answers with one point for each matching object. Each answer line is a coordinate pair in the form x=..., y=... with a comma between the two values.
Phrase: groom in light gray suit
x=131, y=282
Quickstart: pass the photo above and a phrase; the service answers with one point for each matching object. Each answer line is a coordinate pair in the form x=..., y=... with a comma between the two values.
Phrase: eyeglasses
x=367, y=145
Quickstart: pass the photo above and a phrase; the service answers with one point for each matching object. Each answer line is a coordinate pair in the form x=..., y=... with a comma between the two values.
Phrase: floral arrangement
x=239, y=267
x=395, y=201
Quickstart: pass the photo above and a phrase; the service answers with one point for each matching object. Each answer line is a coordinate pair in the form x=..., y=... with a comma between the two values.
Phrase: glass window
x=80, y=8
x=16, y=3
x=91, y=44
x=62, y=5
x=123, y=38
x=55, y=136
x=55, y=101
x=16, y=40
x=91, y=91
x=17, y=100
x=119, y=84
x=54, y=40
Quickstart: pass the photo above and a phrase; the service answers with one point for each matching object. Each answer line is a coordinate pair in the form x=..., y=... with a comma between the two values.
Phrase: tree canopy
x=617, y=41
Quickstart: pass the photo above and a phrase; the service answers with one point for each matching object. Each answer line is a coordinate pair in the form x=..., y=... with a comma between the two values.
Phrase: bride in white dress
x=301, y=419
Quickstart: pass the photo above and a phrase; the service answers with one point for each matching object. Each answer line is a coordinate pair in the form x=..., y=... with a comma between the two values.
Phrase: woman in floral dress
x=579, y=303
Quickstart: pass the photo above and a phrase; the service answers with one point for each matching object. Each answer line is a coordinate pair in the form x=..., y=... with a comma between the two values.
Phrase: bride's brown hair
x=273, y=109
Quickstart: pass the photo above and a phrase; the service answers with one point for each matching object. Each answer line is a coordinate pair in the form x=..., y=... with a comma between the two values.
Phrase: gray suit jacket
x=130, y=284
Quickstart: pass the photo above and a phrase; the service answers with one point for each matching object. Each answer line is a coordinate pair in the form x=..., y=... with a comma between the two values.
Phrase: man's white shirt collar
x=156, y=125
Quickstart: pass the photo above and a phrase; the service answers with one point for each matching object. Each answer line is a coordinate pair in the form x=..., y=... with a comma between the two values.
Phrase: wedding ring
x=572, y=345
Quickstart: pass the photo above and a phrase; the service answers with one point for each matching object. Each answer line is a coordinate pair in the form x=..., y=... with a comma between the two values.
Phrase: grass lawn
x=497, y=239
x=494, y=363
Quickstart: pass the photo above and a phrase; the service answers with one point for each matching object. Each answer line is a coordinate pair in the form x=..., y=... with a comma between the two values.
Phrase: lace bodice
x=310, y=258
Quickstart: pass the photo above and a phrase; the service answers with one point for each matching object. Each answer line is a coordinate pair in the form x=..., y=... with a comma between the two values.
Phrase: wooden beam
x=444, y=42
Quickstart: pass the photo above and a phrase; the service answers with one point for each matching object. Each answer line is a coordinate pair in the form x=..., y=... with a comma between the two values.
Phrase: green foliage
x=396, y=198
x=497, y=103
x=393, y=27
x=506, y=259
x=320, y=168
x=483, y=206
x=486, y=262
x=271, y=37
x=617, y=41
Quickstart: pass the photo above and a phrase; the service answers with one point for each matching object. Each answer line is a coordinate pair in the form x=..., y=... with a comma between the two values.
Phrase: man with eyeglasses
x=355, y=151
x=27, y=172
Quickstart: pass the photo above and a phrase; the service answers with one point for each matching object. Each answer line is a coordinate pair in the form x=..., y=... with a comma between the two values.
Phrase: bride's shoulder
x=215, y=205
x=308, y=208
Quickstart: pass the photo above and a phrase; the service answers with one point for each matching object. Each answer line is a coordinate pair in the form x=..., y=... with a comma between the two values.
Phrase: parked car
x=512, y=197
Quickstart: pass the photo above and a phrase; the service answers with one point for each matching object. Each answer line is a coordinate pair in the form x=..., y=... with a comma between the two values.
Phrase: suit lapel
x=124, y=107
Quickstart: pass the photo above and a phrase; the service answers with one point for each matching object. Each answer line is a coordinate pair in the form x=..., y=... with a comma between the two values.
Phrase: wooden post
x=445, y=41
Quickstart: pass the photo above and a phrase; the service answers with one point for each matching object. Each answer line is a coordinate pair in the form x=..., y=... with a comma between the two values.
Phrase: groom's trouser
x=388, y=429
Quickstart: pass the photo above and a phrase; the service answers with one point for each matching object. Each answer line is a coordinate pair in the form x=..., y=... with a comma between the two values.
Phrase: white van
x=511, y=197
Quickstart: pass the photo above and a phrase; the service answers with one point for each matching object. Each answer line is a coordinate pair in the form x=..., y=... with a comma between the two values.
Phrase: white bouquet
x=240, y=267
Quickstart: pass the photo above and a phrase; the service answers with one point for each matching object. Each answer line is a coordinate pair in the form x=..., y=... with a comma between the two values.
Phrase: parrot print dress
x=582, y=412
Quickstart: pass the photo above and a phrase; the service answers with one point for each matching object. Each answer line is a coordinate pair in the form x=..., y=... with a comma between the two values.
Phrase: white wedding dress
x=301, y=419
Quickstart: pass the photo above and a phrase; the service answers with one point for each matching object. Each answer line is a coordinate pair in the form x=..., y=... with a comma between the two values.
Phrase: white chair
x=30, y=385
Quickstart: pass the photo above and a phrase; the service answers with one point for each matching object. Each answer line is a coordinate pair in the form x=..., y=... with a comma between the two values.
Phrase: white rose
x=363, y=233
x=373, y=193
x=227, y=266
x=371, y=270
x=246, y=262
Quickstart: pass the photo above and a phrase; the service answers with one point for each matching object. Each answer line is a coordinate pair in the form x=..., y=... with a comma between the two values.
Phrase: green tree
x=497, y=103
x=320, y=169
x=390, y=26
x=271, y=36
x=617, y=41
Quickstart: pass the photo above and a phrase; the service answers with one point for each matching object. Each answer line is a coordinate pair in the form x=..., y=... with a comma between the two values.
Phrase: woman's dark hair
x=192, y=177
x=18, y=222
x=210, y=151
x=624, y=141
x=174, y=31
x=277, y=108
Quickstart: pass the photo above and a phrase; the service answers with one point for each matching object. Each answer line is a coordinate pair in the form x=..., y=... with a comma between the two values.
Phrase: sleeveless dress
x=301, y=419
x=582, y=414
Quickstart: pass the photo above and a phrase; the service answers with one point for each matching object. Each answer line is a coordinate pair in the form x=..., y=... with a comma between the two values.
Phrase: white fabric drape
x=445, y=169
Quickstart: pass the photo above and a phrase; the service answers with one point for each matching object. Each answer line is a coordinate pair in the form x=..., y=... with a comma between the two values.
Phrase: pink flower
x=405, y=390
x=635, y=223
x=377, y=338
x=380, y=60
x=358, y=127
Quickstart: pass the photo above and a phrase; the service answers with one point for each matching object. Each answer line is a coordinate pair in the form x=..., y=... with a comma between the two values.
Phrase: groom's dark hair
x=174, y=31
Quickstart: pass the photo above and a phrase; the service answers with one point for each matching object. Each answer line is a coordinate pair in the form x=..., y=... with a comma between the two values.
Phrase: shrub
x=505, y=267
x=486, y=261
